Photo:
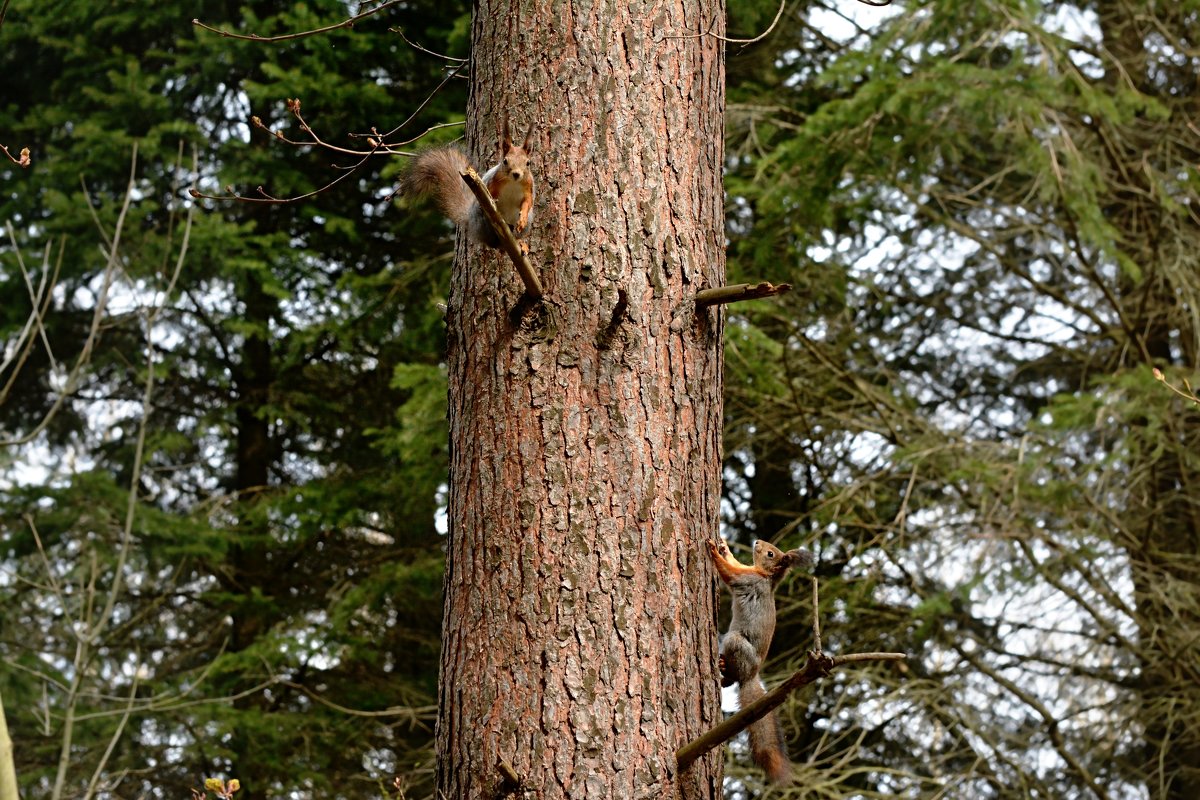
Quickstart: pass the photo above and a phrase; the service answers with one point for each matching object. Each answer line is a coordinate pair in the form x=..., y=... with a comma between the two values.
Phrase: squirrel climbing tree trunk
x=579, y=645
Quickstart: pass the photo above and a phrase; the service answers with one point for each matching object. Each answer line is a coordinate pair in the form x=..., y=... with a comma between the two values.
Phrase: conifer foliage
x=219, y=553
x=990, y=213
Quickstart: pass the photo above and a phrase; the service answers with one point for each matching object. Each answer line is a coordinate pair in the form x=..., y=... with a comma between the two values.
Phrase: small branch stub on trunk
x=739, y=291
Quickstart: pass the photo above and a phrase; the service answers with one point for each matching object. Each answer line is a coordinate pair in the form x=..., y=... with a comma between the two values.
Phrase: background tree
x=277, y=613
x=993, y=207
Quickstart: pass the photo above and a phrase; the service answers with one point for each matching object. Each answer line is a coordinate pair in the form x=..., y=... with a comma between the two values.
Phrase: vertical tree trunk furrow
x=579, y=640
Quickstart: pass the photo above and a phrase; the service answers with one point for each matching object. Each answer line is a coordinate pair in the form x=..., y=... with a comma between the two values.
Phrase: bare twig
x=508, y=242
x=454, y=72
x=413, y=713
x=112, y=740
x=267, y=198
x=85, y=354
x=739, y=291
x=41, y=299
x=816, y=617
x=709, y=30
x=415, y=46
x=1190, y=394
x=254, y=37
x=762, y=35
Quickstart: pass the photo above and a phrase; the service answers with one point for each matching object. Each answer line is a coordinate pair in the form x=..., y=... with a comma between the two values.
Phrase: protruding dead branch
x=508, y=242
x=510, y=781
x=739, y=291
x=816, y=666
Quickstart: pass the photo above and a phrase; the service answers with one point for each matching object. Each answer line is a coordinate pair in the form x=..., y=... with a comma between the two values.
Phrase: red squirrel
x=744, y=647
x=437, y=172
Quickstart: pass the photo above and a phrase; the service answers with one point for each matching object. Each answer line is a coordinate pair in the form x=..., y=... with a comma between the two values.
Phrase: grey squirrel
x=744, y=647
x=437, y=172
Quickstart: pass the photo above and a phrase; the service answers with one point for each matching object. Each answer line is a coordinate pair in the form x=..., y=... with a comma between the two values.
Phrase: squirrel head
x=768, y=557
x=514, y=158
x=515, y=161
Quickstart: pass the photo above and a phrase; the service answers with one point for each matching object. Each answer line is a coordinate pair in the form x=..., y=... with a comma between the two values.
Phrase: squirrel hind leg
x=739, y=659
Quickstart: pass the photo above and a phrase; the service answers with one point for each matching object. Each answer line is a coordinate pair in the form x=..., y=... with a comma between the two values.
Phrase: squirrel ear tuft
x=528, y=136
x=505, y=137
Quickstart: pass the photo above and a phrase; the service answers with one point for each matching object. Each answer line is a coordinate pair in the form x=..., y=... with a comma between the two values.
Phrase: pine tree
x=578, y=644
x=989, y=207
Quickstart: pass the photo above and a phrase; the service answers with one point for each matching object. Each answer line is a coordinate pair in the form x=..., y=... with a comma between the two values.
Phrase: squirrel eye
x=506, y=162
x=770, y=555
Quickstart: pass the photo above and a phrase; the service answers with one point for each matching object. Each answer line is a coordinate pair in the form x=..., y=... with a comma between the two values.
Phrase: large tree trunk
x=579, y=642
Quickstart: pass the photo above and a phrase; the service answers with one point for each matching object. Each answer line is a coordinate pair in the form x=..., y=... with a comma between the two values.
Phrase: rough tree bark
x=579, y=643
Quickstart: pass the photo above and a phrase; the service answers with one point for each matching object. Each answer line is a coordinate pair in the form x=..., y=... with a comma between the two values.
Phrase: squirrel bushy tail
x=767, y=745
x=436, y=173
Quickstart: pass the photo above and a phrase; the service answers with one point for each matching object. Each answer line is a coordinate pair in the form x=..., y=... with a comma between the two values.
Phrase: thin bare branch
x=816, y=601
x=744, y=42
x=453, y=73
x=254, y=37
x=427, y=51
x=267, y=198
x=761, y=36
x=413, y=713
x=41, y=299
x=98, y=772
x=85, y=354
